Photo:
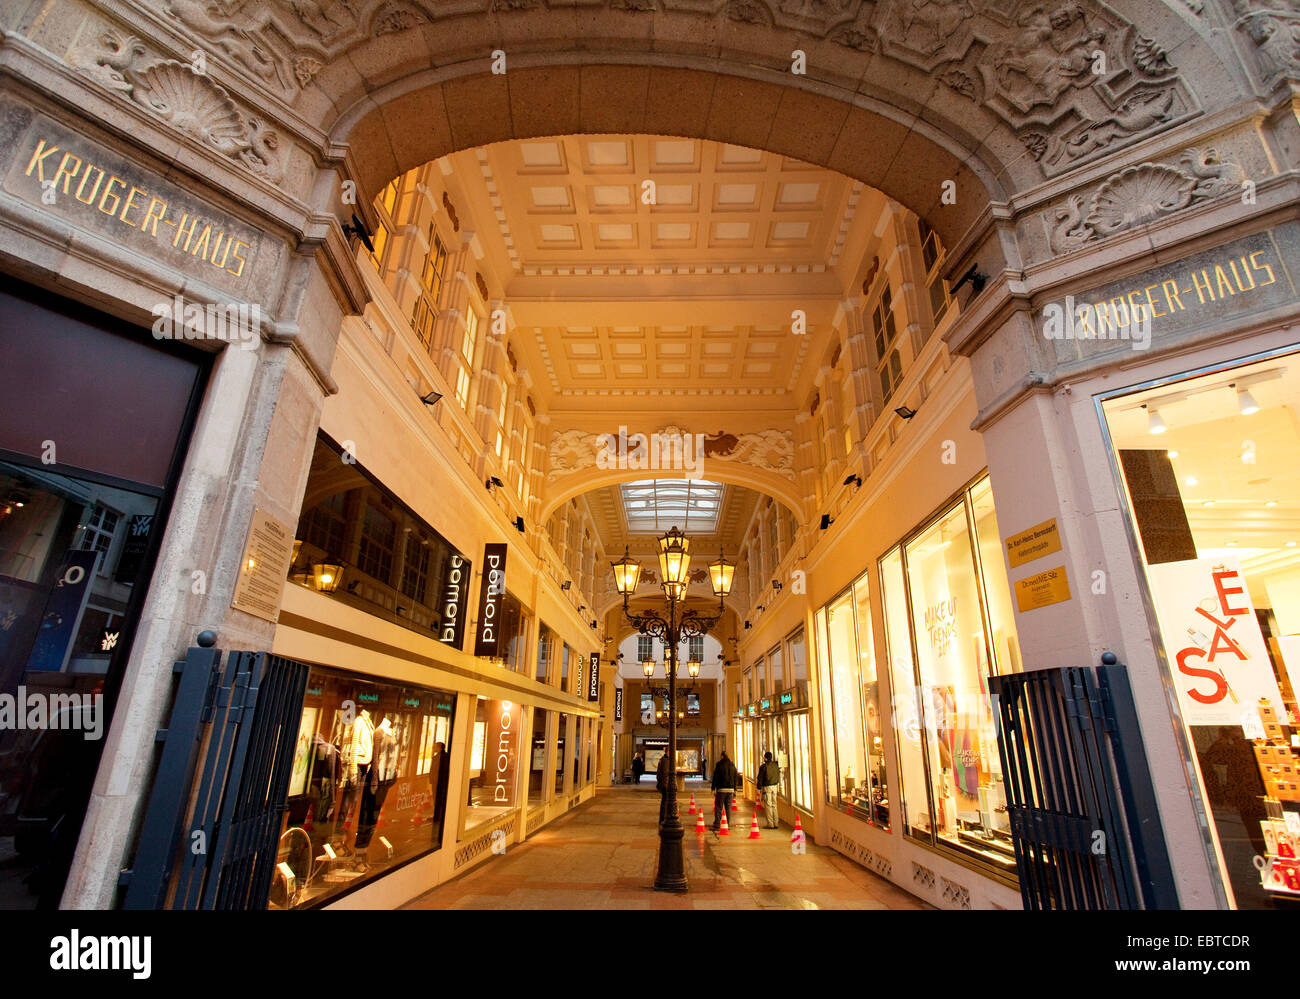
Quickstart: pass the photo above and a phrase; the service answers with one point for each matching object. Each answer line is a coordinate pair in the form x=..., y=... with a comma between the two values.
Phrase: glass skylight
x=652, y=506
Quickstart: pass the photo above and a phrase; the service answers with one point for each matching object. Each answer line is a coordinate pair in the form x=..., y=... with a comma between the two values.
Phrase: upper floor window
x=426, y=303
x=465, y=357
x=97, y=533
x=385, y=207
x=645, y=648
x=695, y=648
x=889, y=365
x=932, y=254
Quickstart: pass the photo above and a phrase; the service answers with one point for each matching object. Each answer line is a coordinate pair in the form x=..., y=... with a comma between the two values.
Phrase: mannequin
x=378, y=777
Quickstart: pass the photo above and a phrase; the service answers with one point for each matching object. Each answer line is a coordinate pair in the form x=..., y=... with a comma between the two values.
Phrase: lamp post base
x=671, y=875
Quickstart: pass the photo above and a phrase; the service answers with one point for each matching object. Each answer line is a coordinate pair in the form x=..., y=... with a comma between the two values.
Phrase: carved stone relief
x=771, y=450
x=191, y=103
x=1141, y=194
x=1073, y=78
x=1272, y=28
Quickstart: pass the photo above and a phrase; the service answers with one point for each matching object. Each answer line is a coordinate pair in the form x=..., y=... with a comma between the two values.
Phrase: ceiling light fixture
x=1271, y=503
x=1155, y=423
x=1192, y=480
x=1246, y=402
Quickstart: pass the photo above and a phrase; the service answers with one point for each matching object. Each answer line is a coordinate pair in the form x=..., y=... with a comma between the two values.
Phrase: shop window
x=1206, y=470
x=432, y=586
x=564, y=738
x=415, y=567
x=797, y=649
x=512, y=633
x=368, y=787
x=948, y=630
x=647, y=709
x=494, y=761
x=545, y=643
x=378, y=536
x=693, y=705
x=776, y=663
x=538, y=785
x=800, y=768
x=851, y=705
x=932, y=254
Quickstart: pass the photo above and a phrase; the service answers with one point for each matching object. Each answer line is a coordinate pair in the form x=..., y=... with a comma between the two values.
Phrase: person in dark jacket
x=726, y=778
x=638, y=767
x=661, y=783
x=769, y=778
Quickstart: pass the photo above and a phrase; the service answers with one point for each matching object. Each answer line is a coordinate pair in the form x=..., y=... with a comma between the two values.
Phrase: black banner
x=593, y=681
x=455, y=588
x=618, y=704
x=491, y=590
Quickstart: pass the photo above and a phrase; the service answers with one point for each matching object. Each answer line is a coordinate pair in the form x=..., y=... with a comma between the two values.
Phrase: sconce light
x=519, y=525
x=854, y=478
x=432, y=399
x=593, y=625
x=359, y=229
x=826, y=522
x=566, y=584
x=748, y=625
x=906, y=412
x=581, y=608
x=494, y=481
x=325, y=576
x=976, y=279
x=776, y=585
x=761, y=608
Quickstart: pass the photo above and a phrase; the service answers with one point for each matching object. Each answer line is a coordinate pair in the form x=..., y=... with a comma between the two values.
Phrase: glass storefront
x=564, y=738
x=855, y=759
x=494, y=761
x=949, y=625
x=538, y=785
x=368, y=788
x=800, y=769
x=1209, y=469
x=89, y=452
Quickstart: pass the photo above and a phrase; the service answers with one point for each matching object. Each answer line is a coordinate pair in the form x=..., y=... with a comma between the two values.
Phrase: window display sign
x=1207, y=620
x=618, y=704
x=453, y=601
x=491, y=591
x=1041, y=539
x=502, y=758
x=593, y=680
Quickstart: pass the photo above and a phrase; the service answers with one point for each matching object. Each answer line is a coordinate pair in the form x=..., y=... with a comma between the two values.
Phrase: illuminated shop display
x=368, y=787
x=1207, y=469
x=949, y=628
x=494, y=761
x=846, y=664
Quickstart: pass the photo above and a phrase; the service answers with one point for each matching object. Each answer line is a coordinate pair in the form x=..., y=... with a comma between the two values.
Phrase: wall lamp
x=566, y=584
x=761, y=608
x=906, y=412
x=359, y=229
x=593, y=625
x=776, y=585
x=826, y=521
x=494, y=481
x=432, y=399
x=581, y=608
x=519, y=525
x=855, y=478
x=976, y=279
x=748, y=626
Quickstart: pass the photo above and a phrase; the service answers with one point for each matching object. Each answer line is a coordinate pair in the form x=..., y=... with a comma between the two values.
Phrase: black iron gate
x=210, y=836
x=1079, y=794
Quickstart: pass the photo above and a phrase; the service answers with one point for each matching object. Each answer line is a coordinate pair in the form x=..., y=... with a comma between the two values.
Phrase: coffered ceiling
x=645, y=267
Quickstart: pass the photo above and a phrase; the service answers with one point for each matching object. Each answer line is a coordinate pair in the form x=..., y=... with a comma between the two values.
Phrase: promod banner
x=1219, y=660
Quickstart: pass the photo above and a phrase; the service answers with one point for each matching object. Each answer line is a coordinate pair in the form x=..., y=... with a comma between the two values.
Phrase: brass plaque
x=1041, y=539
x=1042, y=590
x=264, y=568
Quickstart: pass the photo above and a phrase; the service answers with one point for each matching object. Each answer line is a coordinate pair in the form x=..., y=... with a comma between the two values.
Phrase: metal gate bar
x=1070, y=749
x=244, y=716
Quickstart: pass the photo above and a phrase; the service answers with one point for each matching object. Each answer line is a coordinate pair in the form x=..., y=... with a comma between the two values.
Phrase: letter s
x=1220, y=685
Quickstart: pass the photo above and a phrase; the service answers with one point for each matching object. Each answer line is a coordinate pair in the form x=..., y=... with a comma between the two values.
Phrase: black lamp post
x=674, y=571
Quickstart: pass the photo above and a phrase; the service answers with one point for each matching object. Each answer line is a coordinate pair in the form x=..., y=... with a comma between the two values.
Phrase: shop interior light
x=1271, y=503
x=1246, y=402
x=1155, y=423
x=1172, y=454
x=1192, y=480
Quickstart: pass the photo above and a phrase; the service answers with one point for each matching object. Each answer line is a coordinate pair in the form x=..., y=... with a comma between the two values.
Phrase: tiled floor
x=602, y=855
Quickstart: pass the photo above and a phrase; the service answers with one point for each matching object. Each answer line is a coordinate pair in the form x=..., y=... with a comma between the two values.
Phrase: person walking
x=769, y=778
x=638, y=767
x=726, y=778
x=661, y=783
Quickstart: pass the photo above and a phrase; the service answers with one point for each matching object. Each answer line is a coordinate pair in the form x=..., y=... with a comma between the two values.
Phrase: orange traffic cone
x=725, y=830
x=692, y=809
x=699, y=822
x=735, y=803
x=753, y=826
x=797, y=835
